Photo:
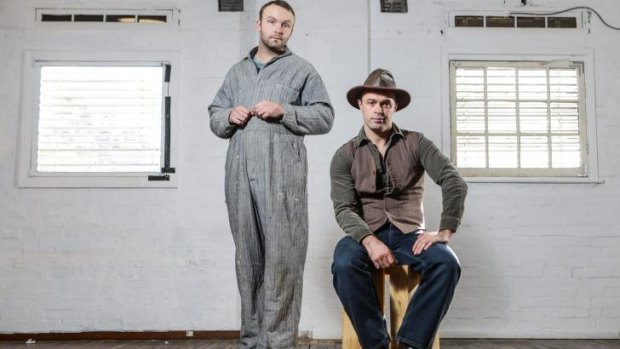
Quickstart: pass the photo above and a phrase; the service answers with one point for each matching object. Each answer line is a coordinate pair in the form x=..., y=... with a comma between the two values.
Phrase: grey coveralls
x=266, y=170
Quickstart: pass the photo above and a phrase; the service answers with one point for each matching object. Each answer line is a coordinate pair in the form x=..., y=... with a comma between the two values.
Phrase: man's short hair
x=285, y=5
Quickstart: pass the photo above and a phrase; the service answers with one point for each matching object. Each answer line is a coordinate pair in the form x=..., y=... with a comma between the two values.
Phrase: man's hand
x=380, y=255
x=239, y=116
x=268, y=110
x=427, y=239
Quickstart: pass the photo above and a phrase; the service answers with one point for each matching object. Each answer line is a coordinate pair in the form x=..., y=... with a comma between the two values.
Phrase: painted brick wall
x=539, y=259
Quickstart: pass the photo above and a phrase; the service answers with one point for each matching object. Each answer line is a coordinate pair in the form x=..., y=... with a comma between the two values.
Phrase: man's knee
x=446, y=261
x=347, y=256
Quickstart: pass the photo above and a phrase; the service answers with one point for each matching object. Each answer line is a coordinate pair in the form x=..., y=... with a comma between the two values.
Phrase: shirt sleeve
x=220, y=108
x=347, y=206
x=453, y=187
x=315, y=115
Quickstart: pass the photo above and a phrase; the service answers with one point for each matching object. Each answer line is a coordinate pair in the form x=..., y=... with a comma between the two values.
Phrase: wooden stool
x=402, y=283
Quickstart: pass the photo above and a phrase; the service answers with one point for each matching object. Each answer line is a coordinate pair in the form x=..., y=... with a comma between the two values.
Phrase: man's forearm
x=454, y=191
x=308, y=120
x=352, y=224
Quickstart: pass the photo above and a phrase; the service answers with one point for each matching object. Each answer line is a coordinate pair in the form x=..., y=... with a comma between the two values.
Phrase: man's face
x=275, y=28
x=377, y=109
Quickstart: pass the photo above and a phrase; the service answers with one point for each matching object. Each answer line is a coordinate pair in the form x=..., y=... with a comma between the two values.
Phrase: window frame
x=28, y=176
x=590, y=147
x=580, y=16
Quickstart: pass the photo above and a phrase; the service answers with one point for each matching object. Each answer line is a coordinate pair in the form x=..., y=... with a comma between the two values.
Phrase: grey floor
x=317, y=344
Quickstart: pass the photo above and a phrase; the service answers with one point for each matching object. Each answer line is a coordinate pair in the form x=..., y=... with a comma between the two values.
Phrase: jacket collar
x=252, y=53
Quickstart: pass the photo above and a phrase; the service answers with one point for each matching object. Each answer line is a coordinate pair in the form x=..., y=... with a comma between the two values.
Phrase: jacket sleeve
x=220, y=108
x=315, y=115
x=347, y=206
x=453, y=187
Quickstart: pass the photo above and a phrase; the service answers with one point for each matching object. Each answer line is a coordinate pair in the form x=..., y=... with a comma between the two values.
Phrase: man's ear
x=258, y=25
x=359, y=103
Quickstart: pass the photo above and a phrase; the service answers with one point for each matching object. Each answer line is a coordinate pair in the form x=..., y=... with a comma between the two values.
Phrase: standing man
x=267, y=103
x=377, y=181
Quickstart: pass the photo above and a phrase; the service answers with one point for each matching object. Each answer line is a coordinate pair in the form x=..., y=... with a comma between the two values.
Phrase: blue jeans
x=439, y=273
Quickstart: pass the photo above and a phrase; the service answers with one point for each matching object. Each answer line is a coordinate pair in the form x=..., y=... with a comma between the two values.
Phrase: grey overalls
x=266, y=171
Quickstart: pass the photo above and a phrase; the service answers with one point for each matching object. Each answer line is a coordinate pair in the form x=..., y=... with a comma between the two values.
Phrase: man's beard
x=272, y=47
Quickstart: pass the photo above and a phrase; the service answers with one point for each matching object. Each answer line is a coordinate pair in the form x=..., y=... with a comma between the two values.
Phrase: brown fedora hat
x=380, y=80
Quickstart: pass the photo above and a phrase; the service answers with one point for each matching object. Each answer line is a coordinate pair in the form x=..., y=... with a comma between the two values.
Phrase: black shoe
x=404, y=346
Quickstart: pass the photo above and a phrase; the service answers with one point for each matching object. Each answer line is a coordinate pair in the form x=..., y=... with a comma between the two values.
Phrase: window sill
x=118, y=181
x=541, y=180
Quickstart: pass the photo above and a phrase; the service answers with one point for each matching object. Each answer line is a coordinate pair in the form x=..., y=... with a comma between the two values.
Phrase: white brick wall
x=539, y=259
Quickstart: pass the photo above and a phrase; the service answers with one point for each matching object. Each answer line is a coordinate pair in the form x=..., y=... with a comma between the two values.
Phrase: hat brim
x=402, y=97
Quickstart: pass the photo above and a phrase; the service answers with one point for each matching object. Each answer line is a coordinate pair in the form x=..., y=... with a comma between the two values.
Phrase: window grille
x=480, y=21
x=394, y=6
x=230, y=5
x=518, y=118
x=103, y=16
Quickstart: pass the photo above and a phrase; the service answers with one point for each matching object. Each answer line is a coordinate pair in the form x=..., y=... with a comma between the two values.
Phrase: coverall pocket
x=287, y=95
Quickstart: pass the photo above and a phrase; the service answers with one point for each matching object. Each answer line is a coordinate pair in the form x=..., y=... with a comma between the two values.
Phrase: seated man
x=377, y=182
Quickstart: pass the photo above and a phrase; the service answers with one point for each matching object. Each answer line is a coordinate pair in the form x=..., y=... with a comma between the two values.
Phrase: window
x=94, y=16
x=96, y=124
x=481, y=21
x=230, y=5
x=99, y=119
x=516, y=119
x=394, y=6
